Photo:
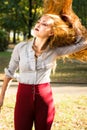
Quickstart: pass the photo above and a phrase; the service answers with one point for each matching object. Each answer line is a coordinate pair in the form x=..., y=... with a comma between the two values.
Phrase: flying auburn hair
x=63, y=8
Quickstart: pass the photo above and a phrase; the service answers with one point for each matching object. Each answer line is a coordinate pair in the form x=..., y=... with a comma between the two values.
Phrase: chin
x=33, y=33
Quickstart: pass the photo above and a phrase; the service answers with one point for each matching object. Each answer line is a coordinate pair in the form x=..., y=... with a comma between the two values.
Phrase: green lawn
x=4, y=60
x=71, y=112
x=70, y=72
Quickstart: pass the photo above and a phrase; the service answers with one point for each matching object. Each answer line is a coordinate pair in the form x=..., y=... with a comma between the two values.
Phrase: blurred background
x=17, y=17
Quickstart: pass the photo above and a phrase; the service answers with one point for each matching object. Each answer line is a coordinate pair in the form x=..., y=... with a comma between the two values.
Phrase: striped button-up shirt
x=37, y=71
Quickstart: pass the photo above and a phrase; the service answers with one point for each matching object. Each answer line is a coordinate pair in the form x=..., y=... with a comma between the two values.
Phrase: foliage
x=19, y=15
x=3, y=40
x=79, y=7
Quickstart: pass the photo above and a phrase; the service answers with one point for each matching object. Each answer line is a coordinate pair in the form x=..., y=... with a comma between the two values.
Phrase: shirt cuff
x=8, y=73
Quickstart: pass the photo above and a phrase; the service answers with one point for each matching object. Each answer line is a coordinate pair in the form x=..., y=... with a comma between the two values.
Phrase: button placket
x=33, y=92
x=30, y=58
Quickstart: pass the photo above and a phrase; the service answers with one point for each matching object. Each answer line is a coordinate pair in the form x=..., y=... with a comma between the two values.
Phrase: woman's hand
x=74, y=22
x=3, y=90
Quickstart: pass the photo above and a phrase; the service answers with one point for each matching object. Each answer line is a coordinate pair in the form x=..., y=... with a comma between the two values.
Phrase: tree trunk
x=14, y=36
x=30, y=18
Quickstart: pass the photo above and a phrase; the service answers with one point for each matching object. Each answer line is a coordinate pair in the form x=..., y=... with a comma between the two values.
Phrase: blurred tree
x=3, y=40
x=80, y=7
x=19, y=15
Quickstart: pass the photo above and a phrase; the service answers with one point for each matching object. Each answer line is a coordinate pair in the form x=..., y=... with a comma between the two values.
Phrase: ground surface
x=57, y=88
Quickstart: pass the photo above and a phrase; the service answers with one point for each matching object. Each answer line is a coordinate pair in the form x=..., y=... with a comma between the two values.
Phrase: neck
x=39, y=43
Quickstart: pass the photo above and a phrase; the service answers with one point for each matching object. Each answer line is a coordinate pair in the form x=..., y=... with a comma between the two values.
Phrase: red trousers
x=34, y=104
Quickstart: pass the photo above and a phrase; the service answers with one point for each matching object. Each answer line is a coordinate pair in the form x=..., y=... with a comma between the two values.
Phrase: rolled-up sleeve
x=76, y=47
x=13, y=64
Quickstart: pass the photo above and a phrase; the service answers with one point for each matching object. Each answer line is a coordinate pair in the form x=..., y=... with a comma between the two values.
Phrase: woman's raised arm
x=76, y=47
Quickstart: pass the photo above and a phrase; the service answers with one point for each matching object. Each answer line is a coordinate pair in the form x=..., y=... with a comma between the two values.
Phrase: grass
x=70, y=72
x=71, y=112
x=67, y=72
x=4, y=60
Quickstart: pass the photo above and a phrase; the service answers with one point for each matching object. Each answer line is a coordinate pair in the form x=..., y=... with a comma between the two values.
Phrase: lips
x=36, y=29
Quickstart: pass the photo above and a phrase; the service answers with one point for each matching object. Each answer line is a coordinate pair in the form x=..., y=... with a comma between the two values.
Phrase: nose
x=38, y=24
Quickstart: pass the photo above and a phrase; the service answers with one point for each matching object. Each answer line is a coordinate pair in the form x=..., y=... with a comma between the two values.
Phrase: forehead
x=47, y=19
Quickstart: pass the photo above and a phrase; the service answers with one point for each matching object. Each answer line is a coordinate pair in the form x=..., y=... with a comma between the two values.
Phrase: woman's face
x=43, y=27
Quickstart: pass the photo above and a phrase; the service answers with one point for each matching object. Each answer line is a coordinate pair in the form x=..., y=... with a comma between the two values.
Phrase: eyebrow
x=42, y=21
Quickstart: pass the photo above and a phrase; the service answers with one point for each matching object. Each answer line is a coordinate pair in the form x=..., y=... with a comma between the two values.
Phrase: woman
x=35, y=59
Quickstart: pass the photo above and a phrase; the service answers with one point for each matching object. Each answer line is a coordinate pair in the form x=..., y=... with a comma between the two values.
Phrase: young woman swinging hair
x=54, y=36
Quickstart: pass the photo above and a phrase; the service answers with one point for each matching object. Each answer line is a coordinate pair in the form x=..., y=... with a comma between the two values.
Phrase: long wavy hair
x=67, y=26
x=64, y=34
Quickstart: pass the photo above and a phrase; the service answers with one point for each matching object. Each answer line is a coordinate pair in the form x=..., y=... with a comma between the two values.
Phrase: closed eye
x=42, y=23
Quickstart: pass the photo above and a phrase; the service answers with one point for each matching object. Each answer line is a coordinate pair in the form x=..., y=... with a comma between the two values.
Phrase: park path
x=70, y=88
x=57, y=88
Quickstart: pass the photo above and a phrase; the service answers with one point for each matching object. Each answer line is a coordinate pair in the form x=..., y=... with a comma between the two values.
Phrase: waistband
x=34, y=85
x=35, y=88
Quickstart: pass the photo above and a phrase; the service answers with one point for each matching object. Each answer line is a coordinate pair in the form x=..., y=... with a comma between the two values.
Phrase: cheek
x=48, y=32
x=45, y=33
